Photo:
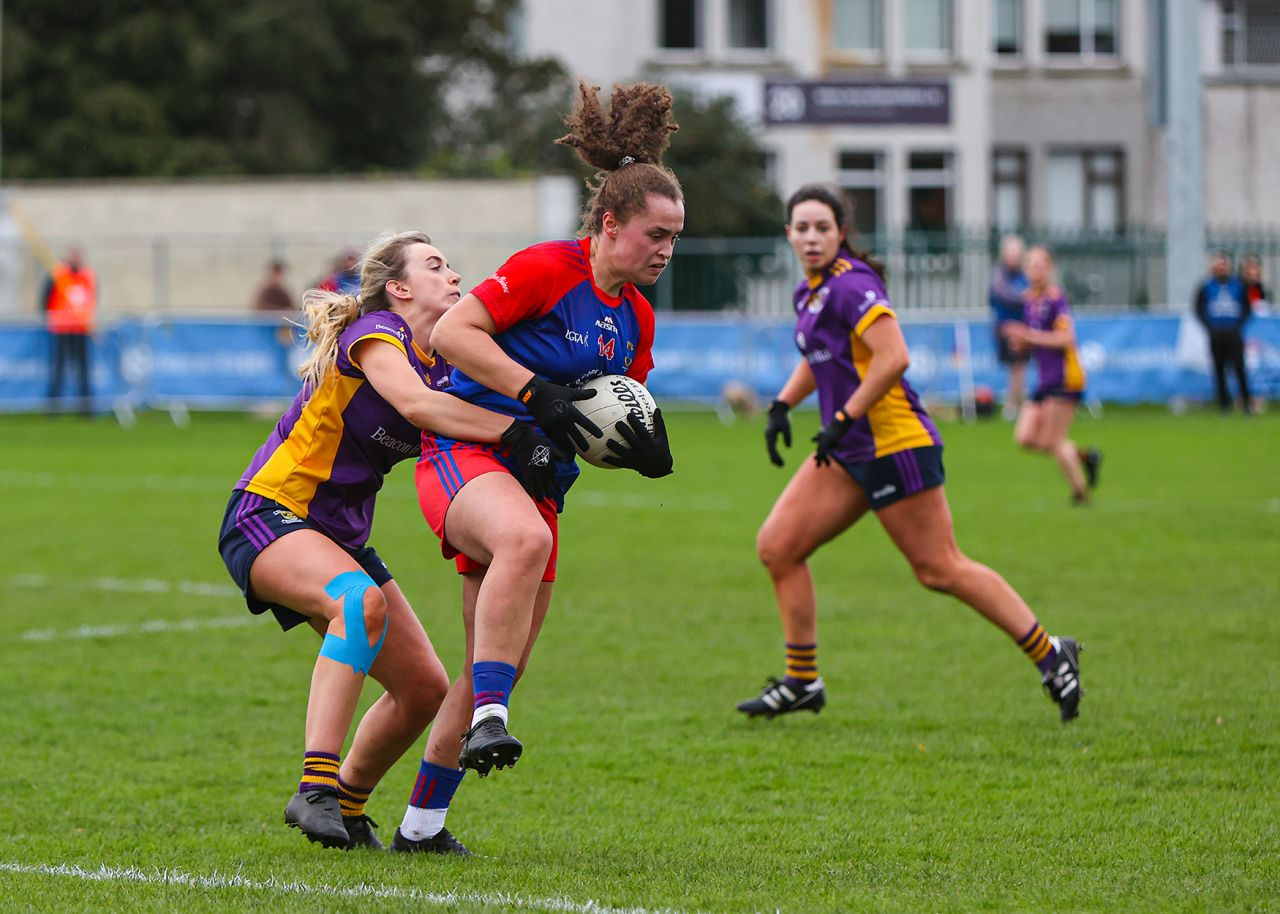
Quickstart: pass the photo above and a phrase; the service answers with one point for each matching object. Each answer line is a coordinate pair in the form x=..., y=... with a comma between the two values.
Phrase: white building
x=944, y=114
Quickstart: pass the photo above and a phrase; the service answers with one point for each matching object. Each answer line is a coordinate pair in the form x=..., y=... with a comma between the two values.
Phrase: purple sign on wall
x=796, y=102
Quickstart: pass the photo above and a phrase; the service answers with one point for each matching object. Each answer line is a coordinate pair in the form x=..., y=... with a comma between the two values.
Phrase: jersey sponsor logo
x=502, y=281
x=818, y=356
x=398, y=332
x=574, y=336
x=606, y=349
x=393, y=443
x=287, y=517
x=884, y=491
x=606, y=323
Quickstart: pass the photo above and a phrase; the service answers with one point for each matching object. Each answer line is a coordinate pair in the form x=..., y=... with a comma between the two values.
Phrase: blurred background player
x=1222, y=306
x=345, y=277
x=1048, y=332
x=1008, y=283
x=70, y=303
x=878, y=450
x=553, y=316
x=1255, y=293
x=295, y=534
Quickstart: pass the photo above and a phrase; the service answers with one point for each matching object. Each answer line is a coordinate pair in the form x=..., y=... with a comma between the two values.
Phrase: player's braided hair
x=326, y=313
x=626, y=144
x=842, y=207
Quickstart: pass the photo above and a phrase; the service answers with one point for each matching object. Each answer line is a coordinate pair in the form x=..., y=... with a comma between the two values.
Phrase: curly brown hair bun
x=626, y=144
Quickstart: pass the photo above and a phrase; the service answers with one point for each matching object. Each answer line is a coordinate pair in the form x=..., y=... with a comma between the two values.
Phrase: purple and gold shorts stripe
x=1036, y=644
x=909, y=470
x=253, y=527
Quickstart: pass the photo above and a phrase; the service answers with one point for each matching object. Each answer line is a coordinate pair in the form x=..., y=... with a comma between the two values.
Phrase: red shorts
x=446, y=466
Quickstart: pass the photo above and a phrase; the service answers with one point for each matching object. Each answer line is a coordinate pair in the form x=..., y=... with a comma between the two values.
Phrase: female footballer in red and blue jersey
x=552, y=317
x=296, y=529
x=879, y=451
x=1048, y=331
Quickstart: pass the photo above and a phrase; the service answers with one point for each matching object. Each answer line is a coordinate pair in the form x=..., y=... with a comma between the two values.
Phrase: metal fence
x=945, y=274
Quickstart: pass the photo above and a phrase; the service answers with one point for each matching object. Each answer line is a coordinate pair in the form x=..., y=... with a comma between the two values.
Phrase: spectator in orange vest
x=70, y=302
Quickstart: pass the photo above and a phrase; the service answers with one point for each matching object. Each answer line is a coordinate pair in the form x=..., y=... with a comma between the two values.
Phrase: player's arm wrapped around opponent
x=551, y=406
x=647, y=454
x=396, y=382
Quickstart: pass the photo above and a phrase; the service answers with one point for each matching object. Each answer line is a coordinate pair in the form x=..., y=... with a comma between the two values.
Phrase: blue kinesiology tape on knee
x=354, y=649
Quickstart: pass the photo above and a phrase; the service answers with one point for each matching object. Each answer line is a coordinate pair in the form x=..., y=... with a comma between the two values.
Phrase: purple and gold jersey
x=1056, y=369
x=832, y=312
x=329, y=452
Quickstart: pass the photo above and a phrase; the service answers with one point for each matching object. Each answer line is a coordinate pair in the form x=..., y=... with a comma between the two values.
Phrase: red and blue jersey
x=553, y=319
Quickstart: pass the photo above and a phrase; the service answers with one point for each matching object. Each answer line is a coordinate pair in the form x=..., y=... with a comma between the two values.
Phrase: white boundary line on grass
x=284, y=887
x=150, y=627
x=123, y=585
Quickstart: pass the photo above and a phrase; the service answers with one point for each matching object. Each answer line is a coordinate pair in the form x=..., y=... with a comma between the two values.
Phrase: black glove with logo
x=779, y=424
x=551, y=406
x=535, y=455
x=830, y=436
x=649, y=455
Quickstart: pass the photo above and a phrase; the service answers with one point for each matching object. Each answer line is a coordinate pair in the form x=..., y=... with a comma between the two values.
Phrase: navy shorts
x=251, y=524
x=895, y=476
x=1056, y=393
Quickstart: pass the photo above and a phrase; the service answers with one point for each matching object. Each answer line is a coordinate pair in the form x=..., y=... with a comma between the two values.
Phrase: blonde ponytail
x=326, y=315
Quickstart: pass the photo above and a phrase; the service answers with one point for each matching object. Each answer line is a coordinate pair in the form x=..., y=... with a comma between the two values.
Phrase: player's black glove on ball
x=535, y=455
x=551, y=406
x=779, y=424
x=649, y=455
x=830, y=436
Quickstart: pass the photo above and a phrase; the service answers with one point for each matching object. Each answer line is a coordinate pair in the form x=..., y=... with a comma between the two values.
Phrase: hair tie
x=625, y=160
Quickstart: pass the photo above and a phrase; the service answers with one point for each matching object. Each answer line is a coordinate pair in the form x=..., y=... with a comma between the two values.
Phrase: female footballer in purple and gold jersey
x=878, y=450
x=552, y=317
x=296, y=530
x=1048, y=331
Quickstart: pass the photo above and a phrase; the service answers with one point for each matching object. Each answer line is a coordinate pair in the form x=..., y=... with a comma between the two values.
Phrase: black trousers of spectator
x=70, y=349
x=1227, y=348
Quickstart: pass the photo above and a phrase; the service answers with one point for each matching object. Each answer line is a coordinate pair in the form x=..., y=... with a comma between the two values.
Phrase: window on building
x=1007, y=41
x=929, y=188
x=1009, y=188
x=749, y=24
x=678, y=26
x=861, y=174
x=928, y=27
x=1250, y=33
x=1081, y=28
x=1085, y=190
x=859, y=26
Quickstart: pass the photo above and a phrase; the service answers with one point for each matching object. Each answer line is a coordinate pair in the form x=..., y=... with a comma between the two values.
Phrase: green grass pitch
x=151, y=731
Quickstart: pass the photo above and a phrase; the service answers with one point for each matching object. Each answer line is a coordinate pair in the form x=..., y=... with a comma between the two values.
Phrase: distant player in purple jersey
x=296, y=530
x=552, y=317
x=1048, y=333
x=878, y=450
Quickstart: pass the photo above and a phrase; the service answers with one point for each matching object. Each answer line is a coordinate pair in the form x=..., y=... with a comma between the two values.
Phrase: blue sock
x=429, y=802
x=492, y=682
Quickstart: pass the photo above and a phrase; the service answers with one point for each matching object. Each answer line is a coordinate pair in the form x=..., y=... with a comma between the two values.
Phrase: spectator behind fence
x=345, y=278
x=69, y=301
x=1222, y=307
x=1255, y=293
x=1008, y=283
x=273, y=295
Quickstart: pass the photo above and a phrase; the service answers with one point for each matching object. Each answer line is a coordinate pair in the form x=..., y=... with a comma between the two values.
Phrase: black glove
x=535, y=455
x=649, y=455
x=551, y=406
x=830, y=436
x=779, y=424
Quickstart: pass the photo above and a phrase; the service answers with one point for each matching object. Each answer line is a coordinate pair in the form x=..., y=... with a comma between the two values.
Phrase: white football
x=617, y=397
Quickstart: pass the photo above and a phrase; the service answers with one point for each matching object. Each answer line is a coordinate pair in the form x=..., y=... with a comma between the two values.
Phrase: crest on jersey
x=817, y=300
